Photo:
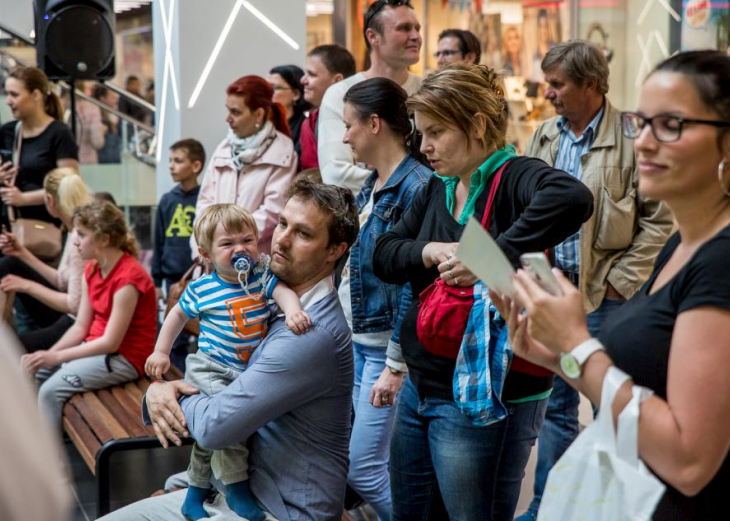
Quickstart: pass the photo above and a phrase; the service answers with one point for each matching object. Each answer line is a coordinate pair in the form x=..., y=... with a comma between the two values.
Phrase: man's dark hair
x=130, y=79
x=338, y=202
x=373, y=14
x=336, y=59
x=468, y=42
x=193, y=148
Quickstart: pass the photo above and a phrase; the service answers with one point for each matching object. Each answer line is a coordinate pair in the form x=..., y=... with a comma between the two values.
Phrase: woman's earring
x=258, y=125
x=720, y=177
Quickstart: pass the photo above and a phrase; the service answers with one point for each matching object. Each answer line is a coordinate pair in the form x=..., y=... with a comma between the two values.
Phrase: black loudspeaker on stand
x=75, y=41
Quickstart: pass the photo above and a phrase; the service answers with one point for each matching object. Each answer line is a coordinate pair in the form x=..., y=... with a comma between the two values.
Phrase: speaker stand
x=73, y=107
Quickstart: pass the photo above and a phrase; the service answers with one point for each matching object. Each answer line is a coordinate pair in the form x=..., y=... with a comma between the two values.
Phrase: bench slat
x=117, y=430
x=133, y=424
x=143, y=385
x=81, y=435
x=131, y=405
x=90, y=416
x=135, y=392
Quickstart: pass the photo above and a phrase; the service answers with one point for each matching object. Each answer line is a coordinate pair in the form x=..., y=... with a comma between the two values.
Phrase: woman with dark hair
x=380, y=134
x=254, y=164
x=289, y=91
x=45, y=142
x=672, y=336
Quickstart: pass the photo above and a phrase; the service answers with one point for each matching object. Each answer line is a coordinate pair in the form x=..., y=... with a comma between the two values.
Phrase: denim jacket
x=377, y=306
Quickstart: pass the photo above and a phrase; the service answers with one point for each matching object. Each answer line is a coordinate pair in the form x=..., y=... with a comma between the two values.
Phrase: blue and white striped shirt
x=232, y=322
x=567, y=254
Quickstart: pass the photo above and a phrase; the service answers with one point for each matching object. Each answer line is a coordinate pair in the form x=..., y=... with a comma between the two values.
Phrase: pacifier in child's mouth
x=244, y=264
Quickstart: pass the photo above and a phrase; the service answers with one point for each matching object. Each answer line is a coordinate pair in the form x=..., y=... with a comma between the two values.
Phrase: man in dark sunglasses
x=612, y=255
x=392, y=36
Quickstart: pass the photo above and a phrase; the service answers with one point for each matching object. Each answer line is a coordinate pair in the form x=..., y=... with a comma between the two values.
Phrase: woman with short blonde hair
x=476, y=468
x=50, y=295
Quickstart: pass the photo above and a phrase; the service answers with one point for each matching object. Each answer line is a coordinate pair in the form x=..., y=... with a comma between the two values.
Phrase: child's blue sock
x=241, y=501
x=192, y=508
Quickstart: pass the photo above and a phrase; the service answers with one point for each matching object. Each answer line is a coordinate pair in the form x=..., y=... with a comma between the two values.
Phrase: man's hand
x=299, y=322
x=165, y=413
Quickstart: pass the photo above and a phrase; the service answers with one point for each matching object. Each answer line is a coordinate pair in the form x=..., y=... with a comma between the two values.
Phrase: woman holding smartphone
x=672, y=336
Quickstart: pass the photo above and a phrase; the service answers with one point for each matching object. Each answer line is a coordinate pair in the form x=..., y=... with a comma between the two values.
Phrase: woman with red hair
x=254, y=164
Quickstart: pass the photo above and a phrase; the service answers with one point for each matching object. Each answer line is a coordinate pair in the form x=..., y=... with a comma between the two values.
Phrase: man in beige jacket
x=612, y=255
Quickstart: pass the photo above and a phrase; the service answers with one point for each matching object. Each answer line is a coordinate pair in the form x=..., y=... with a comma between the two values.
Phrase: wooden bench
x=104, y=422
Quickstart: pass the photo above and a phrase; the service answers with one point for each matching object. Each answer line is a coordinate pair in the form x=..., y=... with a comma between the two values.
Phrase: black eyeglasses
x=445, y=54
x=379, y=6
x=666, y=129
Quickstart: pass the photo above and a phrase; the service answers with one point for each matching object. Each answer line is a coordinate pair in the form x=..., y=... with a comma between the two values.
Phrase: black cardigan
x=536, y=208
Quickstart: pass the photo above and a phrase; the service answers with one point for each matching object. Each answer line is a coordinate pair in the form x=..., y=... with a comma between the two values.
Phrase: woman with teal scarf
x=442, y=465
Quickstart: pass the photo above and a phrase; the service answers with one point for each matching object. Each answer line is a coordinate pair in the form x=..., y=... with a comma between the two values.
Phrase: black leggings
x=42, y=315
x=46, y=337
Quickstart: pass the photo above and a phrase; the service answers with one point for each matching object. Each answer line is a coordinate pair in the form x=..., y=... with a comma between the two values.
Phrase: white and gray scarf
x=246, y=150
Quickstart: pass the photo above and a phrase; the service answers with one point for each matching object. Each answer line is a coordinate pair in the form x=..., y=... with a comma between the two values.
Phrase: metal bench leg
x=103, y=480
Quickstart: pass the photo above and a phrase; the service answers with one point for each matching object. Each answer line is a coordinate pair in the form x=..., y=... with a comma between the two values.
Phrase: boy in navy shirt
x=174, y=226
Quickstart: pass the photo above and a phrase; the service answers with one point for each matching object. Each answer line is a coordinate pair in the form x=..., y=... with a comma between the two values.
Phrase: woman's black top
x=638, y=338
x=295, y=126
x=38, y=156
x=536, y=207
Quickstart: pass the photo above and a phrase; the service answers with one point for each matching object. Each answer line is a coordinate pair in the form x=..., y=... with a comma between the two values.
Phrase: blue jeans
x=444, y=467
x=371, y=433
x=561, y=420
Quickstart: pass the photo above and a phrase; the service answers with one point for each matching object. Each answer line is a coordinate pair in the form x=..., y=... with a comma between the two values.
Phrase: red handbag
x=444, y=310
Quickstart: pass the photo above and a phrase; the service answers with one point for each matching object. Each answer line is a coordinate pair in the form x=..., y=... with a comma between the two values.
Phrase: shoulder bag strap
x=487, y=217
x=17, y=145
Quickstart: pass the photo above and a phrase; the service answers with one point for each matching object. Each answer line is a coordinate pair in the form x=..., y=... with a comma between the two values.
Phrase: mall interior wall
x=250, y=47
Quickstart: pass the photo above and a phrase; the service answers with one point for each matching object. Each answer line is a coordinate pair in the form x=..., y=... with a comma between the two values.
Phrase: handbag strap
x=189, y=274
x=17, y=144
x=487, y=217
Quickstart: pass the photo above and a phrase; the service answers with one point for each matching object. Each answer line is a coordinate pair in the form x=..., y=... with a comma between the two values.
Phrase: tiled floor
x=135, y=475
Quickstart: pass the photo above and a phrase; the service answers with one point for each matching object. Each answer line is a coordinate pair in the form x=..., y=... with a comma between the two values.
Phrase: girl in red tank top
x=115, y=328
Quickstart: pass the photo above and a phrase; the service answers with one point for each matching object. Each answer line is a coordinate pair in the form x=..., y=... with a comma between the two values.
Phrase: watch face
x=570, y=366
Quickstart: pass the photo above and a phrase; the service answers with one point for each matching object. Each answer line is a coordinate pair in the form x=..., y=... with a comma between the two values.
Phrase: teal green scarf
x=478, y=182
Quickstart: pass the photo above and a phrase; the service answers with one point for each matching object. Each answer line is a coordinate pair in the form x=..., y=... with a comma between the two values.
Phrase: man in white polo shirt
x=392, y=35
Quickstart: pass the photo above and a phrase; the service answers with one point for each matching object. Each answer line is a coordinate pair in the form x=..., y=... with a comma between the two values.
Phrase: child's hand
x=299, y=322
x=157, y=364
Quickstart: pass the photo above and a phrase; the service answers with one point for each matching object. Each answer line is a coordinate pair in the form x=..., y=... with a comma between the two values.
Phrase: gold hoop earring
x=720, y=172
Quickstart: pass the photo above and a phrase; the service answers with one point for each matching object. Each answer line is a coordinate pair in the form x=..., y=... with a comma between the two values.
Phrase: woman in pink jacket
x=255, y=163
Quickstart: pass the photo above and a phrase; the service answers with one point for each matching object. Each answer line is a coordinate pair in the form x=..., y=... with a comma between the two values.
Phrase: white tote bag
x=600, y=477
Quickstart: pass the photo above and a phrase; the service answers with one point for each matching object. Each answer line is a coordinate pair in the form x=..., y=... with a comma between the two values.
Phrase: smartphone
x=538, y=265
x=6, y=155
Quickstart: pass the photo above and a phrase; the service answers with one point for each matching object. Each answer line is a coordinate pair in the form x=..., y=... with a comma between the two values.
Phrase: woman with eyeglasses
x=289, y=91
x=254, y=164
x=672, y=336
